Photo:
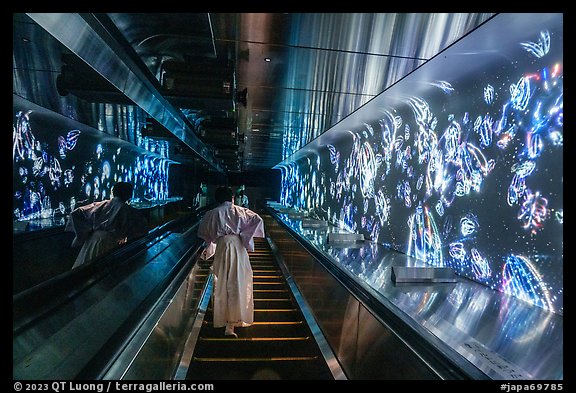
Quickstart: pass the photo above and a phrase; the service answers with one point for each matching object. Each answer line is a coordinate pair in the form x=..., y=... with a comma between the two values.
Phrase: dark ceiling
x=254, y=87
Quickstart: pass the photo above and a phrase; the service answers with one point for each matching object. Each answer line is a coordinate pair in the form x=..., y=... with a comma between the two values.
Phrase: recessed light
x=267, y=59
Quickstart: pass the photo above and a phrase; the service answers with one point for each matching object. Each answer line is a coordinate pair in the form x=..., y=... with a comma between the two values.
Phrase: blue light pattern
x=468, y=177
x=52, y=176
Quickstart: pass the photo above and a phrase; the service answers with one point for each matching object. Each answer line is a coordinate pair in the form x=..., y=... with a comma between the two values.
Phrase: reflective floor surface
x=505, y=337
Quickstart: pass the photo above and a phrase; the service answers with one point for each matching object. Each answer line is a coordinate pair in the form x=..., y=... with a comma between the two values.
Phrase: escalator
x=279, y=345
x=80, y=323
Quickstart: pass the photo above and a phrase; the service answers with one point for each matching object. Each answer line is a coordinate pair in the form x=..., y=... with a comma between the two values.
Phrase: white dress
x=229, y=232
x=102, y=226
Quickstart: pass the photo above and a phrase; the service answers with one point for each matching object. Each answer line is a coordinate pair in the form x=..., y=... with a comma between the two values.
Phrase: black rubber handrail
x=38, y=302
x=117, y=266
x=100, y=363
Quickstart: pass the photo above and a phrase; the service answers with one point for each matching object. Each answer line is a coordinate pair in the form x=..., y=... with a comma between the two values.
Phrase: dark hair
x=224, y=194
x=123, y=190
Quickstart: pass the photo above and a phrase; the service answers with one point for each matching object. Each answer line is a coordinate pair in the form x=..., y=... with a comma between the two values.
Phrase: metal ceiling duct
x=95, y=39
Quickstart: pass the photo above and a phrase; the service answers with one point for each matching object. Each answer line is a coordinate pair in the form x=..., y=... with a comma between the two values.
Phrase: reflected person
x=104, y=225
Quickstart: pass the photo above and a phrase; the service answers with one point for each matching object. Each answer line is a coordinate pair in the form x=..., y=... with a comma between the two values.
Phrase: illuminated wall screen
x=468, y=175
x=59, y=164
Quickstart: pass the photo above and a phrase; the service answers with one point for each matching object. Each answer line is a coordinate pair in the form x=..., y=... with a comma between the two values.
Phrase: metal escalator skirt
x=186, y=359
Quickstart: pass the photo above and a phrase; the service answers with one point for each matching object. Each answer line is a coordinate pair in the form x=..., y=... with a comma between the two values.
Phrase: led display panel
x=459, y=164
x=60, y=164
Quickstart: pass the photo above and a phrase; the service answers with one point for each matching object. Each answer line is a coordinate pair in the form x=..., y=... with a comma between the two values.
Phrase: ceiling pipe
x=95, y=39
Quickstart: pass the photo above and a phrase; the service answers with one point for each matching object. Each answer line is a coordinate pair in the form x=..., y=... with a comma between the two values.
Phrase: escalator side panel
x=62, y=344
x=157, y=359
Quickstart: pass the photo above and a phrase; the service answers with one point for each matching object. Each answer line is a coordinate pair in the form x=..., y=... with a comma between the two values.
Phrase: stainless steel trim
x=186, y=358
x=87, y=38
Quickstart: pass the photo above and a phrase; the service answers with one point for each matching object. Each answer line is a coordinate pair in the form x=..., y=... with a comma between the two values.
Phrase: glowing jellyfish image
x=468, y=224
x=451, y=139
x=72, y=139
x=524, y=169
x=533, y=211
x=406, y=193
x=425, y=139
x=23, y=140
x=99, y=150
x=517, y=187
x=38, y=167
x=382, y=207
x=534, y=144
x=473, y=168
x=489, y=94
x=480, y=266
x=559, y=216
x=420, y=182
x=55, y=171
x=506, y=137
x=520, y=94
x=424, y=242
x=521, y=279
x=400, y=161
x=440, y=208
x=388, y=125
x=485, y=131
x=539, y=48
x=422, y=113
x=367, y=170
x=334, y=157
x=96, y=188
x=62, y=146
x=106, y=170
x=46, y=207
x=346, y=220
x=457, y=251
x=88, y=189
x=446, y=87
x=556, y=138
x=399, y=143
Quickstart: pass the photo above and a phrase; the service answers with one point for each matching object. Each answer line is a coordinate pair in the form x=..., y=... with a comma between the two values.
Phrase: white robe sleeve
x=207, y=231
x=81, y=222
x=251, y=226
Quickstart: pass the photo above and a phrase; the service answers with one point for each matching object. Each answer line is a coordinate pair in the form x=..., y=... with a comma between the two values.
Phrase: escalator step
x=271, y=316
x=258, y=370
x=276, y=347
x=263, y=359
x=260, y=331
x=272, y=303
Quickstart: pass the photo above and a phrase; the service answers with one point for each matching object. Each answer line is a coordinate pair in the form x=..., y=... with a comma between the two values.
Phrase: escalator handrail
x=99, y=365
x=103, y=357
x=38, y=301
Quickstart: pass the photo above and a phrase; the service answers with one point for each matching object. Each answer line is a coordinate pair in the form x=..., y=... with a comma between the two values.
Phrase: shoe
x=230, y=331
